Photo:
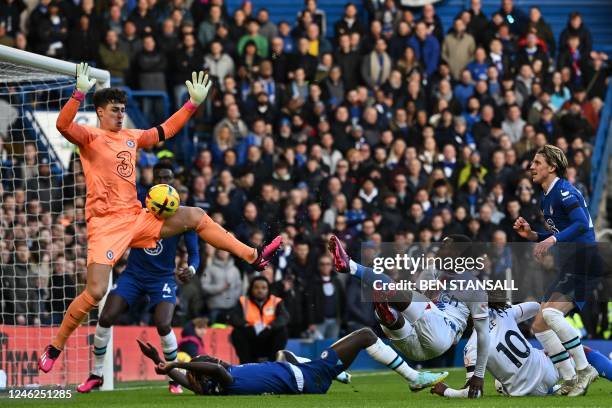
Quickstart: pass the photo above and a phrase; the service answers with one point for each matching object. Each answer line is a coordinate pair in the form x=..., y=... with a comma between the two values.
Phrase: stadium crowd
x=390, y=128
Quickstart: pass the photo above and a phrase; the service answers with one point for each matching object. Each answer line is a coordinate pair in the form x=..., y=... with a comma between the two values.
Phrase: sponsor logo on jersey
x=565, y=193
x=324, y=354
x=159, y=247
x=130, y=144
x=110, y=255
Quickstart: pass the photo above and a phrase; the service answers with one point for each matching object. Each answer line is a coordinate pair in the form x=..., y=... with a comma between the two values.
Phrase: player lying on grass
x=520, y=368
x=149, y=272
x=207, y=375
x=115, y=218
x=567, y=220
x=288, y=356
x=420, y=328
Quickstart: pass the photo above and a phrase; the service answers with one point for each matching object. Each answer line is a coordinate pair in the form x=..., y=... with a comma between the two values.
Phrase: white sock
x=101, y=339
x=169, y=346
x=570, y=338
x=384, y=354
x=557, y=353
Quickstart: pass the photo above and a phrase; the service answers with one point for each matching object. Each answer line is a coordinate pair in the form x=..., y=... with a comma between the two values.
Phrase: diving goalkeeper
x=115, y=218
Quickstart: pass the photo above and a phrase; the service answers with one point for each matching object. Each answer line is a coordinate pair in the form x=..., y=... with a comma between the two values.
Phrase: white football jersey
x=521, y=369
x=458, y=305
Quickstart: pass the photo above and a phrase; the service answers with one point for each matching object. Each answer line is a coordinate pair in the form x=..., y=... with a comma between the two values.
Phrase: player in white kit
x=421, y=328
x=520, y=368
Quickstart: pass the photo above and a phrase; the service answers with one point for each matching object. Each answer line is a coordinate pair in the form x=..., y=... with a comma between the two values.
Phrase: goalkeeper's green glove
x=198, y=88
x=83, y=82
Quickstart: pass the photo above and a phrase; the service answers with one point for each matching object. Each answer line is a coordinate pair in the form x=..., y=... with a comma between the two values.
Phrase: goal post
x=52, y=65
x=42, y=225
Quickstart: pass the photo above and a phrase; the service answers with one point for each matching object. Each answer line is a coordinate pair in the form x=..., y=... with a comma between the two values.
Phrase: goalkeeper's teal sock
x=101, y=339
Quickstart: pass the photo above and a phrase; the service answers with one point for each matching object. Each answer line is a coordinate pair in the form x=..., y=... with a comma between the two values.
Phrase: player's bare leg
x=349, y=346
x=561, y=341
x=162, y=319
x=193, y=218
x=114, y=307
x=97, y=284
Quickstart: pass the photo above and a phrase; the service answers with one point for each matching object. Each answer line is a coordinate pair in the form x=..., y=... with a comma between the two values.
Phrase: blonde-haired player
x=570, y=236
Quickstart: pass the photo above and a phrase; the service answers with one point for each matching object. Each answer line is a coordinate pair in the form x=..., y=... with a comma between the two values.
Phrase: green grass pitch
x=368, y=389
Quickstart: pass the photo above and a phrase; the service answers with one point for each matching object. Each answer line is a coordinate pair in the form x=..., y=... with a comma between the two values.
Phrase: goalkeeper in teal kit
x=149, y=272
x=570, y=237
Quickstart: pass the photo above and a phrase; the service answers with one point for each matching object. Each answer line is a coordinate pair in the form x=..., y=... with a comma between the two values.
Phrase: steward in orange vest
x=260, y=323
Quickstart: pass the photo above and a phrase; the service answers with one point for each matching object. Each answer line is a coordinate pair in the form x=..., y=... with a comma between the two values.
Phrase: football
x=162, y=200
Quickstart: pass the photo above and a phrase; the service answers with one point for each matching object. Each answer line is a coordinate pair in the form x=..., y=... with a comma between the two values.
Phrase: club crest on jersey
x=110, y=255
x=130, y=144
x=324, y=354
x=159, y=247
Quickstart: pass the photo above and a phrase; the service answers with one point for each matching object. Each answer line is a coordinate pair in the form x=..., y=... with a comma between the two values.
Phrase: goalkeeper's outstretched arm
x=75, y=133
x=198, y=91
x=80, y=135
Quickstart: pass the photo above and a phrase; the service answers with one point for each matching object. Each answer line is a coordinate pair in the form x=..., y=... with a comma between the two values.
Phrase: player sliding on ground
x=207, y=375
x=520, y=369
x=115, y=218
x=148, y=272
x=567, y=220
x=419, y=328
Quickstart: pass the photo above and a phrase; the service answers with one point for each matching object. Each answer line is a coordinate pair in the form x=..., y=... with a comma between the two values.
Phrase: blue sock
x=367, y=275
x=602, y=364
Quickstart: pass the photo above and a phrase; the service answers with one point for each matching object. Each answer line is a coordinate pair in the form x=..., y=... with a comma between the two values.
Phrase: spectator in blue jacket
x=426, y=48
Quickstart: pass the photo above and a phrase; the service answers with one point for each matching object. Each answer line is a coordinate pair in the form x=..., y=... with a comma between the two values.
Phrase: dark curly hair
x=104, y=96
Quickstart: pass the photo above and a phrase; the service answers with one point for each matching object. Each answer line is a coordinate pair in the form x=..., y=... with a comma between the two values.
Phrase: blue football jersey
x=161, y=259
x=557, y=206
x=261, y=378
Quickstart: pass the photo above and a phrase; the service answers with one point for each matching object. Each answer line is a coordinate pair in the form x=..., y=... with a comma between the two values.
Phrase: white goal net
x=42, y=222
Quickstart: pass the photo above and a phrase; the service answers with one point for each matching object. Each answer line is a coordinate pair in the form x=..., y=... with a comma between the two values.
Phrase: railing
x=601, y=155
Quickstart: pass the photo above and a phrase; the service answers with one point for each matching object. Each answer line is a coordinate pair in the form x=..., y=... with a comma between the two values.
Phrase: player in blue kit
x=208, y=375
x=566, y=220
x=149, y=272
